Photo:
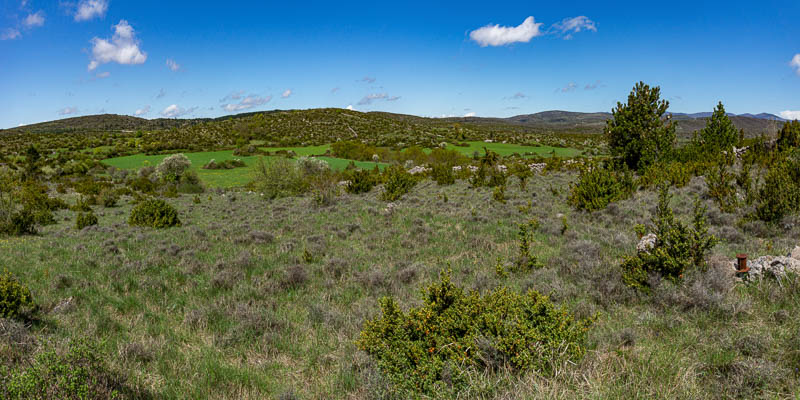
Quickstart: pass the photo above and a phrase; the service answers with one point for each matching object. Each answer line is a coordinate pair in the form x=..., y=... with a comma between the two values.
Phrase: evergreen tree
x=719, y=133
x=789, y=136
x=638, y=133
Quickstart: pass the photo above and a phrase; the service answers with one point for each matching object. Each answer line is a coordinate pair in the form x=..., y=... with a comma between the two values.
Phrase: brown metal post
x=741, y=265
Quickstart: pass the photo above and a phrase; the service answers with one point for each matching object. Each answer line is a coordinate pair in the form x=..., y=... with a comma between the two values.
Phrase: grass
x=507, y=149
x=227, y=307
x=222, y=178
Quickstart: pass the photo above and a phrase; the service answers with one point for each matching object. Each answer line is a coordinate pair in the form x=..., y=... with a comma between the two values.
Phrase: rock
x=775, y=266
x=64, y=306
x=646, y=243
x=795, y=253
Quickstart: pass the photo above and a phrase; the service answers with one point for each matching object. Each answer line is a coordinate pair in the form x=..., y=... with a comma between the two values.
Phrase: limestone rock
x=646, y=243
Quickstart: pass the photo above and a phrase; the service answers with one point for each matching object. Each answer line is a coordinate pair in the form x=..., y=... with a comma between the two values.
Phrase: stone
x=795, y=253
x=775, y=266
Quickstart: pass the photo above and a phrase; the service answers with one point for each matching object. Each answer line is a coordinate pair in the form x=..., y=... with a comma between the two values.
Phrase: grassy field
x=236, y=177
x=507, y=149
x=228, y=307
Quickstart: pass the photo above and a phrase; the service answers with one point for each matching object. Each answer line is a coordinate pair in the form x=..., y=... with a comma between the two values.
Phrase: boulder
x=775, y=266
x=646, y=243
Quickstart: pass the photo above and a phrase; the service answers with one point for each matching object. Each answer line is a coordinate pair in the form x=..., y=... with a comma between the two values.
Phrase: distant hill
x=542, y=122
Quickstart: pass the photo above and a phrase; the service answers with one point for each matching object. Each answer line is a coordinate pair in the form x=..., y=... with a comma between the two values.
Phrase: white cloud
x=9, y=34
x=795, y=63
x=368, y=99
x=790, y=115
x=123, y=48
x=570, y=87
x=469, y=114
x=247, y=103
x=68, y=111
x=350, y=107
x=143, y=111
x=232, y=96
x=172, y=65
x=175, y=111
x=286, y=94
x=88, y=9
x=570, y=26
x=33, y=20
x=496, y=35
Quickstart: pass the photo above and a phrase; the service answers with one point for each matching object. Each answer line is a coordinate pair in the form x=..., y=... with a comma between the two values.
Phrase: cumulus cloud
x=350, y=107
x=88, y=9
x=795, y=63
x=68, y=111
x=790, y=115
x=142, y=111
x=469, y=114
x=247, y=103
x=9, y=34
x=33, y=20
x=570, y=26
x=175, y=111
x=172, y=65
x=123, y=48
x=286, y=94
x=496, y=35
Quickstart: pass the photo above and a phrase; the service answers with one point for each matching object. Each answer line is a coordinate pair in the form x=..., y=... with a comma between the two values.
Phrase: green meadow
x=227, y=178
x=507, y=149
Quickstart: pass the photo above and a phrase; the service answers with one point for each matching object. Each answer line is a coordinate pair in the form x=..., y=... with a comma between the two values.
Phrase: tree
x=719, y=133
x=638, y=133
x=789, y=136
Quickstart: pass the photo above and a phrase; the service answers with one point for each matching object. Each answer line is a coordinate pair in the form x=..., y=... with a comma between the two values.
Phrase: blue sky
x=205, y=59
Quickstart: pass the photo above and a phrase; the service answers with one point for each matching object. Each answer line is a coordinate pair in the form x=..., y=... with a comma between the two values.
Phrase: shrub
x=310, y=166
x=108, y=198
x=324, y=189
x=719, y=134
x=397, y=182
x=789, y=136
x=15, y=221
x=154, y=213
x=226, y=164
x=13, y=296
x=453, y=332
x=279, y=177
x=721, y=188
x=499, y=194
x=189, y=183
x=361, y=181
x=525, y=260
x=79, y=373
x=780, y=193
x=674, y=173
x=85, y=219
x=443, y=174
x=598, y=186
x=678, y=247
x=638, y=133
x=171, y=168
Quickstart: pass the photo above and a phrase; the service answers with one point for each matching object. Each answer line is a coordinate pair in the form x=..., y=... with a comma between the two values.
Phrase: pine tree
x=719, y=133
x=638, y=133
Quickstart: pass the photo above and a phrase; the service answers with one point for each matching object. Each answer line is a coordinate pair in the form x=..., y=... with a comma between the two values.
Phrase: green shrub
x=499, y=194
x=719, y=134
x=443, y=175
x=278, y=177
x=489, y=172
x=154, y=213
x=678, y=247
x=789, y=136
x=454, y=332
x=79, y=373
x=720, y=181
x=674, y=173
x=598, y=186
x=397, y=182
x=15, y=221
x=13, y=296
x=361, y=181
x=780, y=194
x=108, y=198
x=525, y=260
x=85, y=219
x=171, y=168
x=189, y=183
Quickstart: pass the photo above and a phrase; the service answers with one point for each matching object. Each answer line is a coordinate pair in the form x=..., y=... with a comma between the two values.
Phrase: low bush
x=720, y=181
x=360, y=181
x=598, y=186
x=678, y=247
x=85, y=219
x=397, y=182
x=154, y=213
x=431, y=348
x=780, y=194
x=278, y=177
x=226, y=164
x=443, y=175
x=171, y=168
x=14, y=297
x=79, y=373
